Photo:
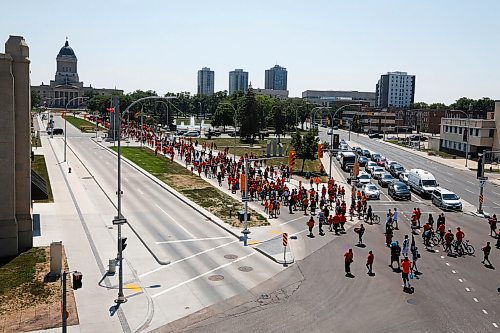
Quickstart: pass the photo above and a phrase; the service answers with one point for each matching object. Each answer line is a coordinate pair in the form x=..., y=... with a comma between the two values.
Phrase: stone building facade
x=16, y=227
x=66, y=84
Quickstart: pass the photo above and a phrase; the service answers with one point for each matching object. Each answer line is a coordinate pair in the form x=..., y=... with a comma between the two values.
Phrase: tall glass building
x=206, y=79
x=238, y=81
x=276, y=78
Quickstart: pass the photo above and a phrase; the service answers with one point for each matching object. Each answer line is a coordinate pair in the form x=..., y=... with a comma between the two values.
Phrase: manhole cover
x=231, y=256
x=264, y=296
x=216, y=277
x=412, y=301
x=245, y=268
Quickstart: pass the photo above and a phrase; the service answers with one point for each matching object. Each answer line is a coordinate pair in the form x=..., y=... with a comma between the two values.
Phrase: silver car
x=404, y=177
x=377, y=172
x=371, y=191
x=370, y=165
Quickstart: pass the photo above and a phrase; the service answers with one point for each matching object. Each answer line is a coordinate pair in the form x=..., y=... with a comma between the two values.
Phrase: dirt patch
x=35, y=304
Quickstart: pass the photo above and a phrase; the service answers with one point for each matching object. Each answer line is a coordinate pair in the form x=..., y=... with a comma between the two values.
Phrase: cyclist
x=441, y=232
x=460, y=237
x=426, y=235
x=448, y=239
x=441, y=220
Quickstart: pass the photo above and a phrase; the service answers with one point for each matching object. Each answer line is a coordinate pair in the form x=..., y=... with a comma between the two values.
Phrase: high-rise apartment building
x=276, y=78
x=395, y=89
x=206, y=79
x=238, y=81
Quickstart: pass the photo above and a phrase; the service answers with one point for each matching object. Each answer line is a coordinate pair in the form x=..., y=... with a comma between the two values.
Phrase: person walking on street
x=406, y=246
x=415, y=255
x=361, y=231
x=395, y=218
x=486, y=253
x=405, y=272
x=310, y=225
x=369, y=262
x=348, y=259
x=493, y=225
x=395, y=252
x=321, y=221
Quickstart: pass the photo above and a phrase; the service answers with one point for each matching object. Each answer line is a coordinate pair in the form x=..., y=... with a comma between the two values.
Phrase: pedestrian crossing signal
x=292, y=156
x=77, y=280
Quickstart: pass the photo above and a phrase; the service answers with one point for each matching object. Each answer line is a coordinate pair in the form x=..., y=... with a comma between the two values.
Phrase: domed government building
x=67, y=84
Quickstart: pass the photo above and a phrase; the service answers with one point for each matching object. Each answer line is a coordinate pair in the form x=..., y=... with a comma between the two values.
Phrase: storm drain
x=412, y=301
x=216, y=277
x=231, y=256
x=245, y=268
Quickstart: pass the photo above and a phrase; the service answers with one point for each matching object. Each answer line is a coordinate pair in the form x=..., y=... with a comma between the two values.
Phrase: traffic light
x=292, y=155
x=321, y=148
x=124, y=242
x=480, y=167
x=77, y=280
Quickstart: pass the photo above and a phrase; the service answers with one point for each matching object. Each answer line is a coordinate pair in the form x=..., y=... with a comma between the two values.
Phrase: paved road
x=452, y=294
x=195, y=247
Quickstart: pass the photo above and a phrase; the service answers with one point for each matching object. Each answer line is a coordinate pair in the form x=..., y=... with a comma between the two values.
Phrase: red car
x=381, y=162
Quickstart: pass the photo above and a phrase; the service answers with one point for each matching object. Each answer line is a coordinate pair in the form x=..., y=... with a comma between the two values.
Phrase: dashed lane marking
x=468, y=190
x=140, y=192
x=460, y=280
x=293, y=220
x=495, y=325
x=193, y=240
x=467, y=289
x=468, y=181
x=485, y=312
x=187, y=258
x=437, y=251
x=454, y=271
x=476, y=300
x=442, y=257
x=201, y=275
x=447, y=264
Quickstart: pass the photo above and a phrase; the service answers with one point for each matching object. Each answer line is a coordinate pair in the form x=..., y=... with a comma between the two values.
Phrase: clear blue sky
x=452, y=46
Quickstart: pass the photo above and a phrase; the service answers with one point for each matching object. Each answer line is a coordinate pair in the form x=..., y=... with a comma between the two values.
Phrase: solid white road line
x=193, y=240
x=296, y=219
x=187, y=258
x=201, y=275
x=180, y=225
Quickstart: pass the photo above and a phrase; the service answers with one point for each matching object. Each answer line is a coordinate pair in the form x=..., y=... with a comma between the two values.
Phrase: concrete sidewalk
x=81, y=218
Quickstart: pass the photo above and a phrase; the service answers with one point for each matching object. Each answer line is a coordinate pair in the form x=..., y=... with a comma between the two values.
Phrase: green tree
x=223, y=116
x=278, y=120
x=419, y=105
x=35, y=99
x=248, y=117
x=463, y=104
x=484, y=104
x=306, y=146
x=437, y=106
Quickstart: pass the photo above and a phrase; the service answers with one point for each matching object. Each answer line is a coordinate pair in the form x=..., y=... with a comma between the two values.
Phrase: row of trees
x=484, y=104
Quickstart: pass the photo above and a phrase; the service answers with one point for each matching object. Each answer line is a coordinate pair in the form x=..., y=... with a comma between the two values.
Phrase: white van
x=422, y=182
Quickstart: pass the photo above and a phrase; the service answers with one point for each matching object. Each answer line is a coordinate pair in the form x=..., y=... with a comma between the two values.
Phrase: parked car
x=234, y=134
x=396, y=170
x=399, y=190
x=403, y=177
x=385, y=179
x=363, y=178
x=369, y=166
x=446, y=199
x=375, y=157
x=388, y=165
x=371, y=191
x=375, y=135
x=377, y=172
x=366, y=153
x=362, y=160
x=192, y=134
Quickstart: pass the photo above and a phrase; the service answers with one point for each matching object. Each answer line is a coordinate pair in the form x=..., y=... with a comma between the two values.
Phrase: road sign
x=285, y=239
x=482, y=182
x=119, y=221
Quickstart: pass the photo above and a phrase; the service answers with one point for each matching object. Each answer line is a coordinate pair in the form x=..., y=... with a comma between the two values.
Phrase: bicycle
x=463, y=248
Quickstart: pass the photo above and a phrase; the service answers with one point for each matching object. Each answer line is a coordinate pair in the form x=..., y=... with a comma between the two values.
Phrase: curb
x=200, y=210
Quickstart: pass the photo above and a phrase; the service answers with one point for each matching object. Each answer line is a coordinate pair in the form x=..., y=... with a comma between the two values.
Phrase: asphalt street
x=196, y=248
x=452, y=294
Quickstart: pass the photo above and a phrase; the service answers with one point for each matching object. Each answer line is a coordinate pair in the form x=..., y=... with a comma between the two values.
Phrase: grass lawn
x=40, y=168
x=36, y=142
x=259, y=149
x=193, y=187
x=17, y=275
x=80, y=123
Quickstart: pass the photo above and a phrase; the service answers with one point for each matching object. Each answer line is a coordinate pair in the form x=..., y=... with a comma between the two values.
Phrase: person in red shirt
x=426, y=235
x=441, y=232
x=448, y=238
x=348, y=259
x=460, y=236
x=405, y=271
x=310, y=226
x=369, y=262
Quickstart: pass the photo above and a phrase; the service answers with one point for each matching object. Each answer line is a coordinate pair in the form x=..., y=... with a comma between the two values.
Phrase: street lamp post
x=199, y=103
x=65, y=121
x=234, y=118
x=119, y=219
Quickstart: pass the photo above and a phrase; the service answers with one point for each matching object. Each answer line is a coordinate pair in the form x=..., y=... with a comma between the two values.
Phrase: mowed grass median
x=82, y=124
x=191, y=186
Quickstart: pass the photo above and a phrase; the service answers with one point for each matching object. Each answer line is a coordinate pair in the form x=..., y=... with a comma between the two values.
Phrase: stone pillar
x=8, y=222
x=18, y=49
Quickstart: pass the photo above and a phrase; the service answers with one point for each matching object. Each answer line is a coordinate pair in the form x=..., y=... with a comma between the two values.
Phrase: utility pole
x=245, y=231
